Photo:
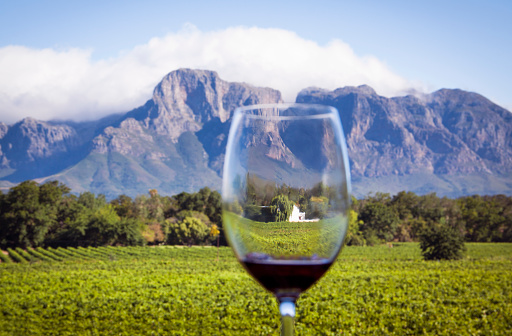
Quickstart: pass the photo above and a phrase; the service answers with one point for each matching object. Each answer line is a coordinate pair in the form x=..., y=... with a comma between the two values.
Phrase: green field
x=188, y=291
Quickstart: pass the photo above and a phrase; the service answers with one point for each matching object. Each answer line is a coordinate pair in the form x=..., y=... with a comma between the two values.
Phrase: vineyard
x=286, y=238
x=380, y=290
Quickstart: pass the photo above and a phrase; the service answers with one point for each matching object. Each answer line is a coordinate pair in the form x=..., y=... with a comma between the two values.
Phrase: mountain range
x=451, y=141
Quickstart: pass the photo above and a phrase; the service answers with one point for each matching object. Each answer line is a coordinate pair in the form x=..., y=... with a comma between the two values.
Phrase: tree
x=105, y=227
x=51, y=193
x=205, y=200
x=154, y=233
x=189, y=231
x=54, y=197
x=155, y=209
x=281, y=208
x=194, y=214
x=354, y=236
x=429, y=207
x=379, y=221
x=129, y=232
x=124, y=206
x=214, y=231
x=483, y=219
x=91, y=201
x=303, y=203
x=214, y=208
x=75, y=228
x=317, y=207
x=70, y=221
x=404, y=202
x=442, y=242
x=25, y=221
x=214, y=234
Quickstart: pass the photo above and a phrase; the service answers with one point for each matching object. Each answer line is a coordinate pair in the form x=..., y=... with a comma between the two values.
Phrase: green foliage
x=485, y=220
x=281, y=208
x=253, y=212
x=4, y=258
x=24, y=254
x=204, y=201
x=380, y=221
x=286, y=238
x=105, y=227
x=189, y=231
x=354, y=235
x=39, y=256
x=261, y=192
x=33, y=215
x=49, y=254
x=16, y=256
x=317, y=207
x=28, y=212
x=185, y=291
x=194, y=214
x=235, y=207
x=442, y=242
x=91, y=201
x=124, y=206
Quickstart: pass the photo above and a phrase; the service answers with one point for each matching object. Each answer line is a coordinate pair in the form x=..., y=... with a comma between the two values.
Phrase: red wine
x=287, y=277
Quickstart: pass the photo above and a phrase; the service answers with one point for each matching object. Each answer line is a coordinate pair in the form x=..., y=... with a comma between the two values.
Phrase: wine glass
x=286, y=196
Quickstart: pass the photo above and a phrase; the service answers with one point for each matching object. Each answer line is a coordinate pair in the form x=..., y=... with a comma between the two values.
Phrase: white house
x=296, y=215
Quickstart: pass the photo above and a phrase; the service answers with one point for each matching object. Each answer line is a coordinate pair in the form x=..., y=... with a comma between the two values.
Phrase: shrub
x=190, y=231
x=442, y=242
x=371, y=238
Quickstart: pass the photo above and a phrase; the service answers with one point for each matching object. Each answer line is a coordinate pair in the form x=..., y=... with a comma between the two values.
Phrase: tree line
x=266, y=202
x=33, y=215
x=406, y=217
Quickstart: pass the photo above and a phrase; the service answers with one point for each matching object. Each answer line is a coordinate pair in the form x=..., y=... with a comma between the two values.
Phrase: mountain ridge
x=451, y=141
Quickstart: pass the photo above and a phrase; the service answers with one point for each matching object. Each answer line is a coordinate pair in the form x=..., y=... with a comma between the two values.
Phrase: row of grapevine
x=16, y=256
x=4, y=258
x=39, y=254
x=24, y=254
x=110, y=253
x=103, y=253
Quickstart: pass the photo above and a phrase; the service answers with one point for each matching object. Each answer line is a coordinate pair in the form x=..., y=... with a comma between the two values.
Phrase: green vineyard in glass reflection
x=314, y=239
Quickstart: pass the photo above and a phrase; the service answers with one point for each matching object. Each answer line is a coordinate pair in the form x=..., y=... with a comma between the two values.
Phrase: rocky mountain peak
x=197, y=93
x=446, y=132
x=185, y=100
x=31, y=139
x=362, y=90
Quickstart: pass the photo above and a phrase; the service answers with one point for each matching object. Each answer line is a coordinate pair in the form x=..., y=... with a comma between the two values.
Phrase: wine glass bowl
x=286, y=195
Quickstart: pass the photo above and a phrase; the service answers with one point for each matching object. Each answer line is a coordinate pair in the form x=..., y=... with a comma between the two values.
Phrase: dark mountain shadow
x=214, y=136
x=52, y=165
x=88, y=130
x=140, y=113
x=302, y=138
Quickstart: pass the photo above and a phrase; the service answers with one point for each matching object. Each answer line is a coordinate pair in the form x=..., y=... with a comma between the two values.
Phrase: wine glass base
x=287, y=308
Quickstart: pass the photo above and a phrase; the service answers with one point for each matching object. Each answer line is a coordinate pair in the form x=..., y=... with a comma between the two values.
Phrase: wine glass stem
x=287, y=310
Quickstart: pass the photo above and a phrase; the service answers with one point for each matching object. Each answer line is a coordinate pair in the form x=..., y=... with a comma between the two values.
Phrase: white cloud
x=67, y=84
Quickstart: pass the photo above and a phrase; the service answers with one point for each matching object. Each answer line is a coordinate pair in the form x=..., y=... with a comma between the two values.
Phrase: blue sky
x=82, y=60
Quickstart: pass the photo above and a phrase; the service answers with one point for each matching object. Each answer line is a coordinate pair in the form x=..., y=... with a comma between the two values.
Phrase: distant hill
x=451, y=142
